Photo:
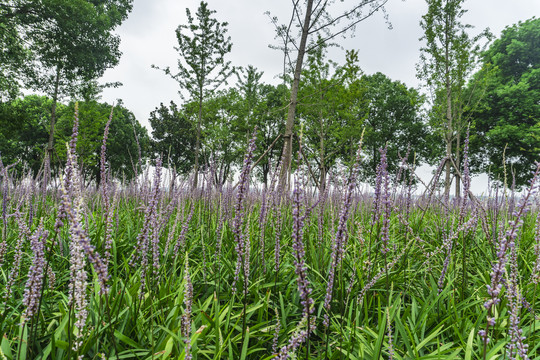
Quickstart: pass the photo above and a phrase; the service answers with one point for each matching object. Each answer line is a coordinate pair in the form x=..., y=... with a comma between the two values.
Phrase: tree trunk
x=322, y=165
x=287, y=143
x=265, y=170
x=458, y=182
x=449, y=125
x=50, y=145
x=322, y=180
x=197, y=144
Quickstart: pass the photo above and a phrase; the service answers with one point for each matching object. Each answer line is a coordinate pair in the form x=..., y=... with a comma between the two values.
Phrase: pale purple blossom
x=385, y=205
x=298, y=249
x=188, y=309
x=535, y=274
x=241, y=243
x=298, y=338
x=144, y=249
x=276, y=335
x=14, y=273
x=181, y=241
x=340, y=235
x=506, y=253
x=391, y=352
x=34, y=283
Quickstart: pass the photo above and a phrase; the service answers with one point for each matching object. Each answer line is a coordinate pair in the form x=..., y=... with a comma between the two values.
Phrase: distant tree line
x=24, y=135
x=491, y=91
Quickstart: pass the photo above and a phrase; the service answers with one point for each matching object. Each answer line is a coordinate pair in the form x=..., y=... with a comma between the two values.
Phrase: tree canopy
x=60, y=47
x=393, y=119
x=202, y=46
x=71, y=37
x=447, y=60
x=125, y=136
x=507, y=120
x=24, y=124
x=173, y=133
x=313, y=18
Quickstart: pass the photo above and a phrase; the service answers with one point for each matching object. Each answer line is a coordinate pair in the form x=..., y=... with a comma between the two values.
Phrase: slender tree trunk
x=197, y=144
x=50, y=145
x=374, y=161
x=458, y=182
x=448, y=170
x=449, y=125
x=322, y=180
x=287, y=143
x=265, y=170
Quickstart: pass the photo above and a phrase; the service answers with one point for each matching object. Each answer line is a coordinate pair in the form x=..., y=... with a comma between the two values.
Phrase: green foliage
x=447, y=60
x=122, y=146
x=202, y=68
x=24, y=129
x=202, y=46
x=322, y=107
x=335, y=109
x=393, y=120
x=263, y=106
x=224, y=133
x=230, y=117
x=12, y=55
x=426, y=321
x=507, y=121
x=173, y=137
x=446, y=42
x=70, y=38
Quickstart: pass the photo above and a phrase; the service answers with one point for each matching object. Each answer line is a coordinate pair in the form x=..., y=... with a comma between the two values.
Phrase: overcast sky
x=148, y=37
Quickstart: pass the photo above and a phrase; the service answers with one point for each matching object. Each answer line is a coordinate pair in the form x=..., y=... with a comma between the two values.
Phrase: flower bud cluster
x=188, y=309
x=241, y=241
x=298, y=249
x=144, y=251
x=34, y=283
x=298, y=338
x=341, y=234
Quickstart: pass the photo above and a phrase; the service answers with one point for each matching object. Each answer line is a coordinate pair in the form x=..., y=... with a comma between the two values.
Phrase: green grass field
x=139, y=271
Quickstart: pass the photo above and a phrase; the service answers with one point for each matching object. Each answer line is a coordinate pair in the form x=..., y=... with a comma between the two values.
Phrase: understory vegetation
x=157, y=269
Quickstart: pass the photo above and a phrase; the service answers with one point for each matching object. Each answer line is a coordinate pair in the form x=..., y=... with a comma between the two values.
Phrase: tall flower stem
x=340, y=237
x=506, y=243
x=241, y=242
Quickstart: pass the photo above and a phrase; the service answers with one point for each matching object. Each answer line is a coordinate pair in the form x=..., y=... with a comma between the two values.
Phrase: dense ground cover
x=146, y=271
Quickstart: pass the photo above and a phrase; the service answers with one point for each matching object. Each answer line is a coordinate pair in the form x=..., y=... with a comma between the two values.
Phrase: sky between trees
x=147, y=37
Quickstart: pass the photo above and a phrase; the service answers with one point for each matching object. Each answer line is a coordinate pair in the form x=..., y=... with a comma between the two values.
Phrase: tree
x=263, y=106
x=67, y=43
x=174, y=135
x=319, y=18
x=446, y=62
x=224, y=132
x=12, y=54
x=506, y=122
x=392, y=120
x=24, y=130
x=122, y=145
x=321, y=95
x=202, y=68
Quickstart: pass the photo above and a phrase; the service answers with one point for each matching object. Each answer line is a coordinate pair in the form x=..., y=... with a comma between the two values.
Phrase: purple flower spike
x=186, y=317
x=340, y=235
x=298, y=249
x=35, y=274
x=385, y=201
x=241, y=243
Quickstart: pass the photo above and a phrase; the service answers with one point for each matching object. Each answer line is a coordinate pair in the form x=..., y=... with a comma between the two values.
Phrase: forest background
x=147, y=41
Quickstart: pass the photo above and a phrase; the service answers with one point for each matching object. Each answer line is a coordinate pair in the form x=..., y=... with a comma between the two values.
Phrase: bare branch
x=353, y=24
x=347, y=14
